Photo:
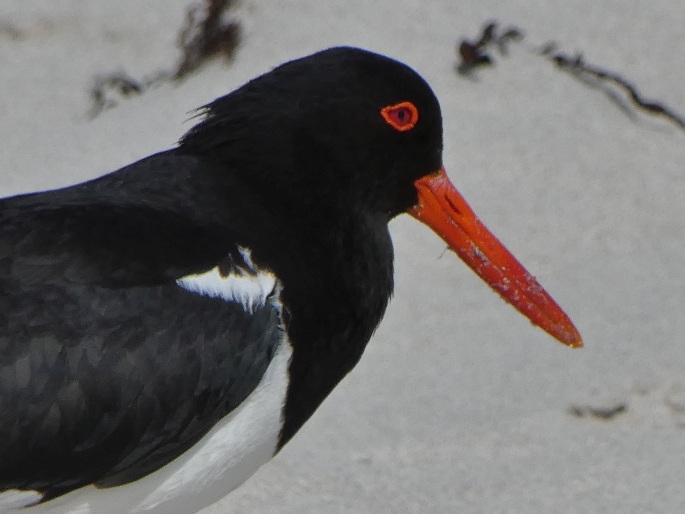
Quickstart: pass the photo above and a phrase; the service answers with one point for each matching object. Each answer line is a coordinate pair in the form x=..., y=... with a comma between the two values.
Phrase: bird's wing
x=105, y=233
x=109, y=368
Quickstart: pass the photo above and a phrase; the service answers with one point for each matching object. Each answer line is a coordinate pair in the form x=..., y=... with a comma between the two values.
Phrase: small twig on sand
x=604, y=413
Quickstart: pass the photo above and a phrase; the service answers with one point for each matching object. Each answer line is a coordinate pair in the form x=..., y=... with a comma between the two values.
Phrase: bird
x=166, y=328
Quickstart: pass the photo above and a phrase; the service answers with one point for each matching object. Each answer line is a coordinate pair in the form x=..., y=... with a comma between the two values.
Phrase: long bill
x=442, y=208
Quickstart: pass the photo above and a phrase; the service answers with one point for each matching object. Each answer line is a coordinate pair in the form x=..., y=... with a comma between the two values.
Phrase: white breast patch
x=250, y=287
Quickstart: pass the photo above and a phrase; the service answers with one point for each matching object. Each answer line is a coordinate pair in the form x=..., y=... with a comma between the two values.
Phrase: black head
x=340, y=129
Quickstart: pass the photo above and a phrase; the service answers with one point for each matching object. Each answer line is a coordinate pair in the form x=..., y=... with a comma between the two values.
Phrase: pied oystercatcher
x=165, y=329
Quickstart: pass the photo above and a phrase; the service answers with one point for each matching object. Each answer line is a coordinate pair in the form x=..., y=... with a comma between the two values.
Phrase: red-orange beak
x=442, y=208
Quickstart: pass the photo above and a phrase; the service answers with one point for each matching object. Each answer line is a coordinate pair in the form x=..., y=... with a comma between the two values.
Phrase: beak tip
x=577, y=344
x=570, y=338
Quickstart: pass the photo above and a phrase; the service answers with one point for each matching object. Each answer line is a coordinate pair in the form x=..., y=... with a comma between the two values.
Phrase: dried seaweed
x=475, y=54
x=108, y=89
x=208, y=32
x=578, y=66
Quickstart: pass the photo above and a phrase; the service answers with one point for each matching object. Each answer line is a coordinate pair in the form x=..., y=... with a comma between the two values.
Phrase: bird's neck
x=335, y=297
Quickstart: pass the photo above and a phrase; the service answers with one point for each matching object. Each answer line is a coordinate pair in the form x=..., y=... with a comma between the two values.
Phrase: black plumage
x=108, y=369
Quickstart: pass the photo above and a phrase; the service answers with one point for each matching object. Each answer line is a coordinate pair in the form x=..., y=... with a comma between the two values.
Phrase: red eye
x=402, y=116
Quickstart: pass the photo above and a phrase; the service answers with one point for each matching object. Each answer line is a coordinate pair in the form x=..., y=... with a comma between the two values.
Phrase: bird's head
x=358, y=128
x=363, y=133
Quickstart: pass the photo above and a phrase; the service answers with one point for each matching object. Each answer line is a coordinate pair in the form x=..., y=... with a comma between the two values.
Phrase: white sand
x=459, y=404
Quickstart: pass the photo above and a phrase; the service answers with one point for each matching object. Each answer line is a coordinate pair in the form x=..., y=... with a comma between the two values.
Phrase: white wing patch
x=251, y=288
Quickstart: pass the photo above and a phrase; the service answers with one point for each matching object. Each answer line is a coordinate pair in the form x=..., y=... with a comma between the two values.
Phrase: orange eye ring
x=402, y=116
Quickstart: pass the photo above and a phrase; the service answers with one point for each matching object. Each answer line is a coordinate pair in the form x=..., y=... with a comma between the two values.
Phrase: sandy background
x=459, y=404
